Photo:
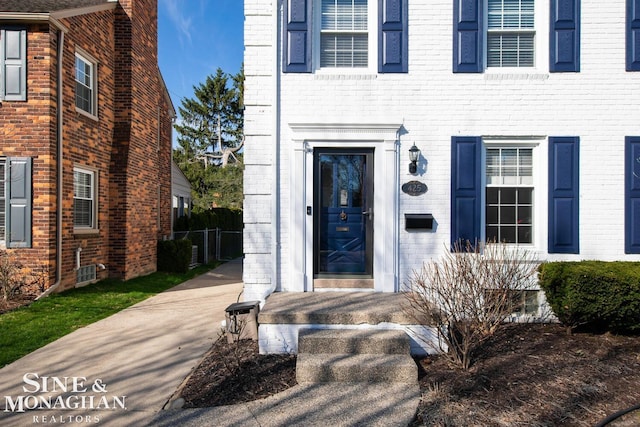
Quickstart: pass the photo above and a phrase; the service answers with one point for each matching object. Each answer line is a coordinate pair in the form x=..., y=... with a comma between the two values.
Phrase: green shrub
x=594, y=295
x=224, y=218
x=174, y=256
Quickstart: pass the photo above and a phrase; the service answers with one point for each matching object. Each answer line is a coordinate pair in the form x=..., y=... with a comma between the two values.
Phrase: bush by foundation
x=594, y=295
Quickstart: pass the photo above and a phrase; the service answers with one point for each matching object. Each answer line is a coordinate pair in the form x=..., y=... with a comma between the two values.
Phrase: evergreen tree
x=210, y=134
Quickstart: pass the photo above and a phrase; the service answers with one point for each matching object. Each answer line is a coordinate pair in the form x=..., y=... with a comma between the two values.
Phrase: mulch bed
x=236, y=373
x=526, y=375
x=535, y=375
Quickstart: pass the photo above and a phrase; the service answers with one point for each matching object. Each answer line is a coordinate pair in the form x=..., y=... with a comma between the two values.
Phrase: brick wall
x=127, y=143
x=87, y=141
x=599, y=104
x=137, y=164
x=259, y=134
x=28, y=129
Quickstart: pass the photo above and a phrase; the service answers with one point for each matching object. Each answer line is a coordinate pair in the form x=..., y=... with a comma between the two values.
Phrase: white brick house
x=526, y=112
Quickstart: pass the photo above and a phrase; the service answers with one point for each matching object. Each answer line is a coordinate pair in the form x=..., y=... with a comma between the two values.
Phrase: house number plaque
x=414, y=188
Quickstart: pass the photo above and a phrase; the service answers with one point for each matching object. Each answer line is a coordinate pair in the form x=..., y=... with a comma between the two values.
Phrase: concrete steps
x=354, y=355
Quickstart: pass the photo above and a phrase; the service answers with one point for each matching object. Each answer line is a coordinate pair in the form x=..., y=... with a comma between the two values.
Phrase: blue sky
x=195, y=38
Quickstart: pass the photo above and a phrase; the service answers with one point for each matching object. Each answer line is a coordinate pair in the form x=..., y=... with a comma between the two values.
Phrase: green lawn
x=29, y=328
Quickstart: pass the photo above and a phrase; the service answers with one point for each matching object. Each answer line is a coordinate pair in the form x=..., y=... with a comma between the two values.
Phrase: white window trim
x=94, y=227
x=372, y=29
x=540, y=42
x=540, y=187
x=94, y=84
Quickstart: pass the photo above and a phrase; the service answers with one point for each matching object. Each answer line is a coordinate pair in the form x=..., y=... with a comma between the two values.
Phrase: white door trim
x=384, y=139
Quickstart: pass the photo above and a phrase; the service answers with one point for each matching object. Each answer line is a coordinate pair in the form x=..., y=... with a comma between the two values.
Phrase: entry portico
x=382, y=141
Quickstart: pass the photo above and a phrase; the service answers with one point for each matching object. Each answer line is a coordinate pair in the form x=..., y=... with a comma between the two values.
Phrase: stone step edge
x=335, y=367
x=353, y=341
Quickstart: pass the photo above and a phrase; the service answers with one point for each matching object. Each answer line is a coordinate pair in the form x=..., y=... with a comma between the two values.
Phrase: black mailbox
x=418, y=222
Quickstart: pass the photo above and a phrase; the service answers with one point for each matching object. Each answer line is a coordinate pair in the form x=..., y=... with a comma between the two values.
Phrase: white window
x=509, y=197
x=84, y=199
x=510, y=33
x=526, y=302
x=3, y=199
x=344, y=34
x=85, y=85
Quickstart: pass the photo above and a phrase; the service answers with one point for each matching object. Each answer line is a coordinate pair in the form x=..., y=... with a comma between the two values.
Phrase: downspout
x=275, y=153
x=60, y=174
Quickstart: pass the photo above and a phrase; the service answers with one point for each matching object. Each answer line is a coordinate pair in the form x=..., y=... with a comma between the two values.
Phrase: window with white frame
x=84, y=199
x=509, y=197
x=85, y=84
x=344, y=36
x=510, y=33
x=2, y=199
x=526, y=302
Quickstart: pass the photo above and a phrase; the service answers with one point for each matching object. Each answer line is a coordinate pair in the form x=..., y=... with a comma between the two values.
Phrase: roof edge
x=33, y=17
x=69, y=13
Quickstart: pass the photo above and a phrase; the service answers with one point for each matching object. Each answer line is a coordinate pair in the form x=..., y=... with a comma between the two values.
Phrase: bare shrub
x=15, y=278
x=469, y=293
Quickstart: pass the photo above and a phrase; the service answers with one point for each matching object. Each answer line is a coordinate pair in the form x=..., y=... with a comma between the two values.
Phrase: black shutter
x=466, y=189
x=632, y=195
x=564, y=179
x=468, y=36
x=13, y=52
x=393, y=43
x=18, y=219
x=633, y=35
x=564, y=36
x=297, y=36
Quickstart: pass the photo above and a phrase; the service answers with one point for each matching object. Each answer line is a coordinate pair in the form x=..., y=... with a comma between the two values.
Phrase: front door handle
x=368, y=213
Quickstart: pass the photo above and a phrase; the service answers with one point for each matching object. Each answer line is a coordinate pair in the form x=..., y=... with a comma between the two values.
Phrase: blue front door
x=344, y=213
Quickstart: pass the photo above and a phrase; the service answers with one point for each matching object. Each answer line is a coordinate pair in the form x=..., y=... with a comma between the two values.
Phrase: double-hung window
x=84, y=199
x=516, y=34
x=355, y=35
x=344, y=38
x=85, y=84
x=502, y=198
x=510, y=33
x=509, y=195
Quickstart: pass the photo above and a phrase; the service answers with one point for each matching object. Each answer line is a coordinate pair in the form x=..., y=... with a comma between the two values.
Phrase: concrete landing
x=285, y=314
x=335, y=308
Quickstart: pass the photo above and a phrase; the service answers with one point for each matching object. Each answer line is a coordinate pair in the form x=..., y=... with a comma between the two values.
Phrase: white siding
x=600, y=104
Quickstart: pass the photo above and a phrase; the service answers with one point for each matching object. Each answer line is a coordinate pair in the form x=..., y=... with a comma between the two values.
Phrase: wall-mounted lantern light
x=414, y=153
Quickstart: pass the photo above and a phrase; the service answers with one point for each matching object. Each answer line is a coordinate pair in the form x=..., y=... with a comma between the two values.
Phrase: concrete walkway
x=127, y=367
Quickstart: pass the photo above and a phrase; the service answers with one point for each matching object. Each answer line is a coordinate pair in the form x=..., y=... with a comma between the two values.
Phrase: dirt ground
x=15, y=302
x=526, y=375
x=236, y=373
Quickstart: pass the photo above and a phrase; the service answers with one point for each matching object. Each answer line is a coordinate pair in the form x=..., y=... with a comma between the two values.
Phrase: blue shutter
x=564, y=160
x=466, y=187
x=393, y=43
x=467, y=36
x=633, y=35
x=18, y=219
x=632, y=195
x=13, y=57
x=564, y=36
x=297, y=36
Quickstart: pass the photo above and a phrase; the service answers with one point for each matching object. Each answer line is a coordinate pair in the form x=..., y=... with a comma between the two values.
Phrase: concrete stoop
x=354, y=355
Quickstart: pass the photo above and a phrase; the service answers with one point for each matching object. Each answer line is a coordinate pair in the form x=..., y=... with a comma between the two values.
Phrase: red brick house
x=85, y=155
